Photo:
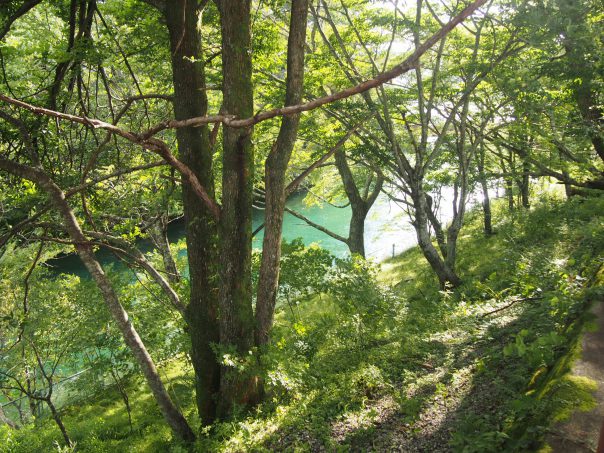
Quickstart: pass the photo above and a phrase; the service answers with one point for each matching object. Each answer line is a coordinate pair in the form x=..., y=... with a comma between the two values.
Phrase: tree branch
x=317, y=226
x=149, y=143
x=23, y=9
x=231, y=121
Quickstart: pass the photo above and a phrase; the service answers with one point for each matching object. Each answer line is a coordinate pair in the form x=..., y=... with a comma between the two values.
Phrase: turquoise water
x=387, y=230
x=386, y=225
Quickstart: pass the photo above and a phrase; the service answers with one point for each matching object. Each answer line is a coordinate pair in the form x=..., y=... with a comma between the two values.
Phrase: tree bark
x=568, y=188
x=174, y=418
x=190, y=100
x=57, y=418
x=237, y=388
x=486, y=200
x=359, y=206
x=446, y=276
x=525, y=186
x=356, y=232
x=275, y=168
x=486, y=206
x=509, y=192
x=452, y=235
x=437, y=226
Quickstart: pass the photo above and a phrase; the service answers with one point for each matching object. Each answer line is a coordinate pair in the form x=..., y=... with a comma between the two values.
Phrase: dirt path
x=580, y=433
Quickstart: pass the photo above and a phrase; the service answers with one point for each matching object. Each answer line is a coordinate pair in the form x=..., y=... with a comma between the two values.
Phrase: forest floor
x=398, y=365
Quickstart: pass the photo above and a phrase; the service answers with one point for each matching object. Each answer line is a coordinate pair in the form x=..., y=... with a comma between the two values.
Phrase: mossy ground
x=481, y=368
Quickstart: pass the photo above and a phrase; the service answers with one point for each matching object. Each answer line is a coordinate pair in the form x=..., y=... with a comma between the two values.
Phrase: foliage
x=318, y=377
x=509, y=100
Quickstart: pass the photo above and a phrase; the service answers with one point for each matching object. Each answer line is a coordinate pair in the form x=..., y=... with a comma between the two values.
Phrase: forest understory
x=396, y=365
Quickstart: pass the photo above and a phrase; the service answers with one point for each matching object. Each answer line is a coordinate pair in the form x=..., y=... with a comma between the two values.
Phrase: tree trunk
x=32, y=403
x=437, y=226
x=356, y=231
x=57, y=418
x=568, y=188
x=486, y=206
x=174, y=418
x=237, y=388
x=190, y=100
x=360, y=206
x=446, y=276
x=456, y=225
x=525, y=186
x=275, y=167
x=486, y=200
x=452, y=235
x=171, y=414
x=509, y=192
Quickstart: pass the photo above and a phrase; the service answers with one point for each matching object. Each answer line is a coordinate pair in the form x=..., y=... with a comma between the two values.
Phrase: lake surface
x=387, y=230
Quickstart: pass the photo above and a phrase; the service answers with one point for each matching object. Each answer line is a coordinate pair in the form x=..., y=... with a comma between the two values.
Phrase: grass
x=385, y=362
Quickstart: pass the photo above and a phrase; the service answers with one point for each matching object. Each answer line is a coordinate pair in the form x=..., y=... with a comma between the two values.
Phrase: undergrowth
x=374, y=356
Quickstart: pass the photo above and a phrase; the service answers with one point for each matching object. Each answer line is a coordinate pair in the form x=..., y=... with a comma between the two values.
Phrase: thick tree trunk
x=356, y=231
x=237, y=388
x=57, y=418
x=190, y=100
x=275, y=167
x=446, y=276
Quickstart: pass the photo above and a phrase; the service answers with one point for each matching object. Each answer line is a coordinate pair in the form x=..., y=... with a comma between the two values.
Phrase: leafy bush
x=367, y=309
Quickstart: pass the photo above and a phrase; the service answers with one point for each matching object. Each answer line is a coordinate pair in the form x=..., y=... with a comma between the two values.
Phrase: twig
x=523, y=299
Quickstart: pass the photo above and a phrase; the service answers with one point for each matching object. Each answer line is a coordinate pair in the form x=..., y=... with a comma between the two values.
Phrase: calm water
x=387, y=226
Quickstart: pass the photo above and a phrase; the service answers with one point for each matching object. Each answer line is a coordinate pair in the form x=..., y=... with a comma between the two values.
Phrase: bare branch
x=317, y=226
x=152, y=144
